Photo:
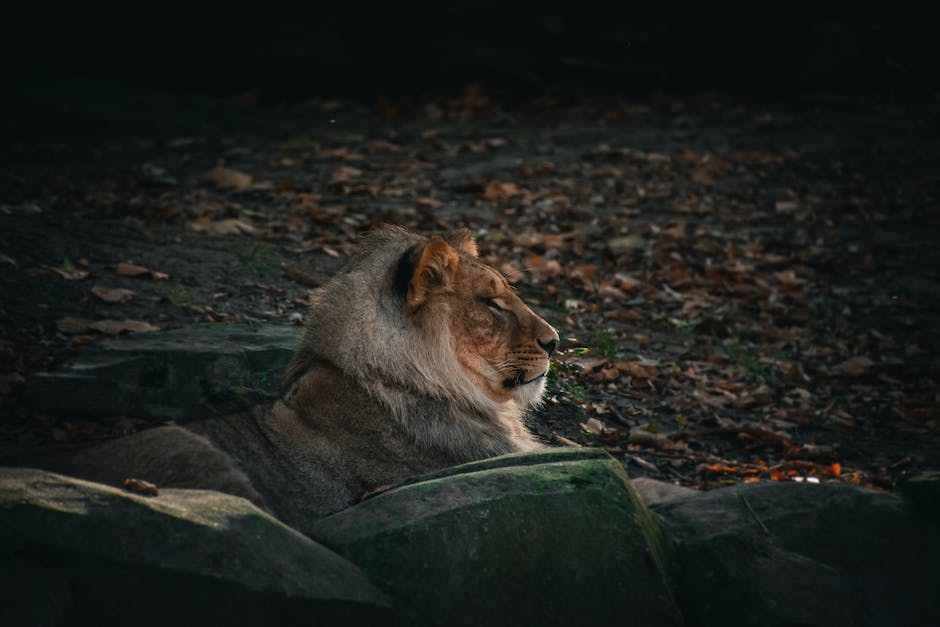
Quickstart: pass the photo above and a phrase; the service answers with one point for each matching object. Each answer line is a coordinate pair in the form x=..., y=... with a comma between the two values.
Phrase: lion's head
x=413, y=317
x=499, y=343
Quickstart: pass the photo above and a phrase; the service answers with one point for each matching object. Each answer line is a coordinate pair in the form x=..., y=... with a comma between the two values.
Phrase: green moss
x=498, y=542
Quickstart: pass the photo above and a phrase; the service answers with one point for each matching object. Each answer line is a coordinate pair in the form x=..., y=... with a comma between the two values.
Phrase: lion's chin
x=529, y=393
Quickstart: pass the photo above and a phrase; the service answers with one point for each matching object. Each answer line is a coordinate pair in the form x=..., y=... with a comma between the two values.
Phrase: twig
x=754, y=514
x=642, y=463
x=565, y=441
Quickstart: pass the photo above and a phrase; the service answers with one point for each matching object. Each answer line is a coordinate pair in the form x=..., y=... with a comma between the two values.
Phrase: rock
x=833, y=554
x=187, y=373
x=79, y=553
x=550, y=538
x=655, y=492
x=923, y=489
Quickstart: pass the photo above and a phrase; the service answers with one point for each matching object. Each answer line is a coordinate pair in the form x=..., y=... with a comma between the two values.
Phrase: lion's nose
x=549, y=346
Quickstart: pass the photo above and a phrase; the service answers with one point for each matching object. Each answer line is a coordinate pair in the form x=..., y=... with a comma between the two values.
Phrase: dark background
x=286, y=50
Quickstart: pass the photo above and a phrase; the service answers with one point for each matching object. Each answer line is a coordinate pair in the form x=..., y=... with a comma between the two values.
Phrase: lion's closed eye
x=494, y=304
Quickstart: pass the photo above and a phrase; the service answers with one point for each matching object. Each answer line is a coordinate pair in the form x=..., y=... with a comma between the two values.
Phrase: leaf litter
x=728, y=313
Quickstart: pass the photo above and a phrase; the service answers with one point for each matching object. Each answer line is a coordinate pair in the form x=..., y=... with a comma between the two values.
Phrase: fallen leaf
x=130, y=269
x=428, y=203
x=626, y=243
x=113, y=294
x=139, y=486
x=854, y=366
x=720, y=468
x=593, y=425
x=116, y=327
x=230, y=226
x=70, y=274
x=637, y=369
x=590, y=364
x=645, y=438
x=344, y=174
x=380, y=146
x=227, y=178
x=73, y=326
x=500, y=190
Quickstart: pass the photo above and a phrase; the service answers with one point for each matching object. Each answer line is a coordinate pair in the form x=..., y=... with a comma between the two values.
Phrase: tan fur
x=416, y=356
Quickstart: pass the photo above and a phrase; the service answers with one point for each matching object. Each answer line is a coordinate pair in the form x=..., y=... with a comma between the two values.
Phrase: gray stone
x=832, y=554
x=655, y=492
x=80, y=553
x=187, y=373
x=550, y=538
x=923, y=489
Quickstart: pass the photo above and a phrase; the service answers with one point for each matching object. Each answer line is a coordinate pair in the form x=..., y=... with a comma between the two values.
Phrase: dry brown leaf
x=606, y=290
x=344, y=174
x=854, y=366
x=231, y=226
x=593, y=425
x=381, y=145
x=645, y=438
x=113, y=294
x=228, y=178
x=428, y=203
x=73, y=326
x=590, y=363
x=131, y=269
x=139, y=486
x=70, y=274
x=626, y=282
x=626, y=243
x=116, y=327
x=500, y=190
x=636, y=369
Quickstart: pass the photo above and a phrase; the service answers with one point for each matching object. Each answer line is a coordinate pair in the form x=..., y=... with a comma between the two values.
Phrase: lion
x=416, y=356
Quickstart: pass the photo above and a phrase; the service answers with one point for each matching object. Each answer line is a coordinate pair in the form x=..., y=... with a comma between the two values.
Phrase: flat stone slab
x=182, y=374
x=80, y=553
x=550, y=538
x=776, y=554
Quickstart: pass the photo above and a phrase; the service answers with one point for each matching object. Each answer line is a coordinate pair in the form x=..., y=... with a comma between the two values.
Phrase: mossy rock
x=74, y=552
x=550, y=538
x=786, y=554
x=189, y=373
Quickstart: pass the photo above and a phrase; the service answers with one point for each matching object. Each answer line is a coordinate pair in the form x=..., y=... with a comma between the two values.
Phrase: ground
x=746, y=290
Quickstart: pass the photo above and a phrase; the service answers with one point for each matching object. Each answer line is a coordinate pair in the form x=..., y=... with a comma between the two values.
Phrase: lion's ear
x=462, y=240
x=435, y=268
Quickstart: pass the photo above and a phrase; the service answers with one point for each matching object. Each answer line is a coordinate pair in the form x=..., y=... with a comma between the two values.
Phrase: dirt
x=747, y=290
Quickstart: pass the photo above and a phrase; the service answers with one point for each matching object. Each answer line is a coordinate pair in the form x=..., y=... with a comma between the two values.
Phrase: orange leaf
x=499, y=190
x=721, y=468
